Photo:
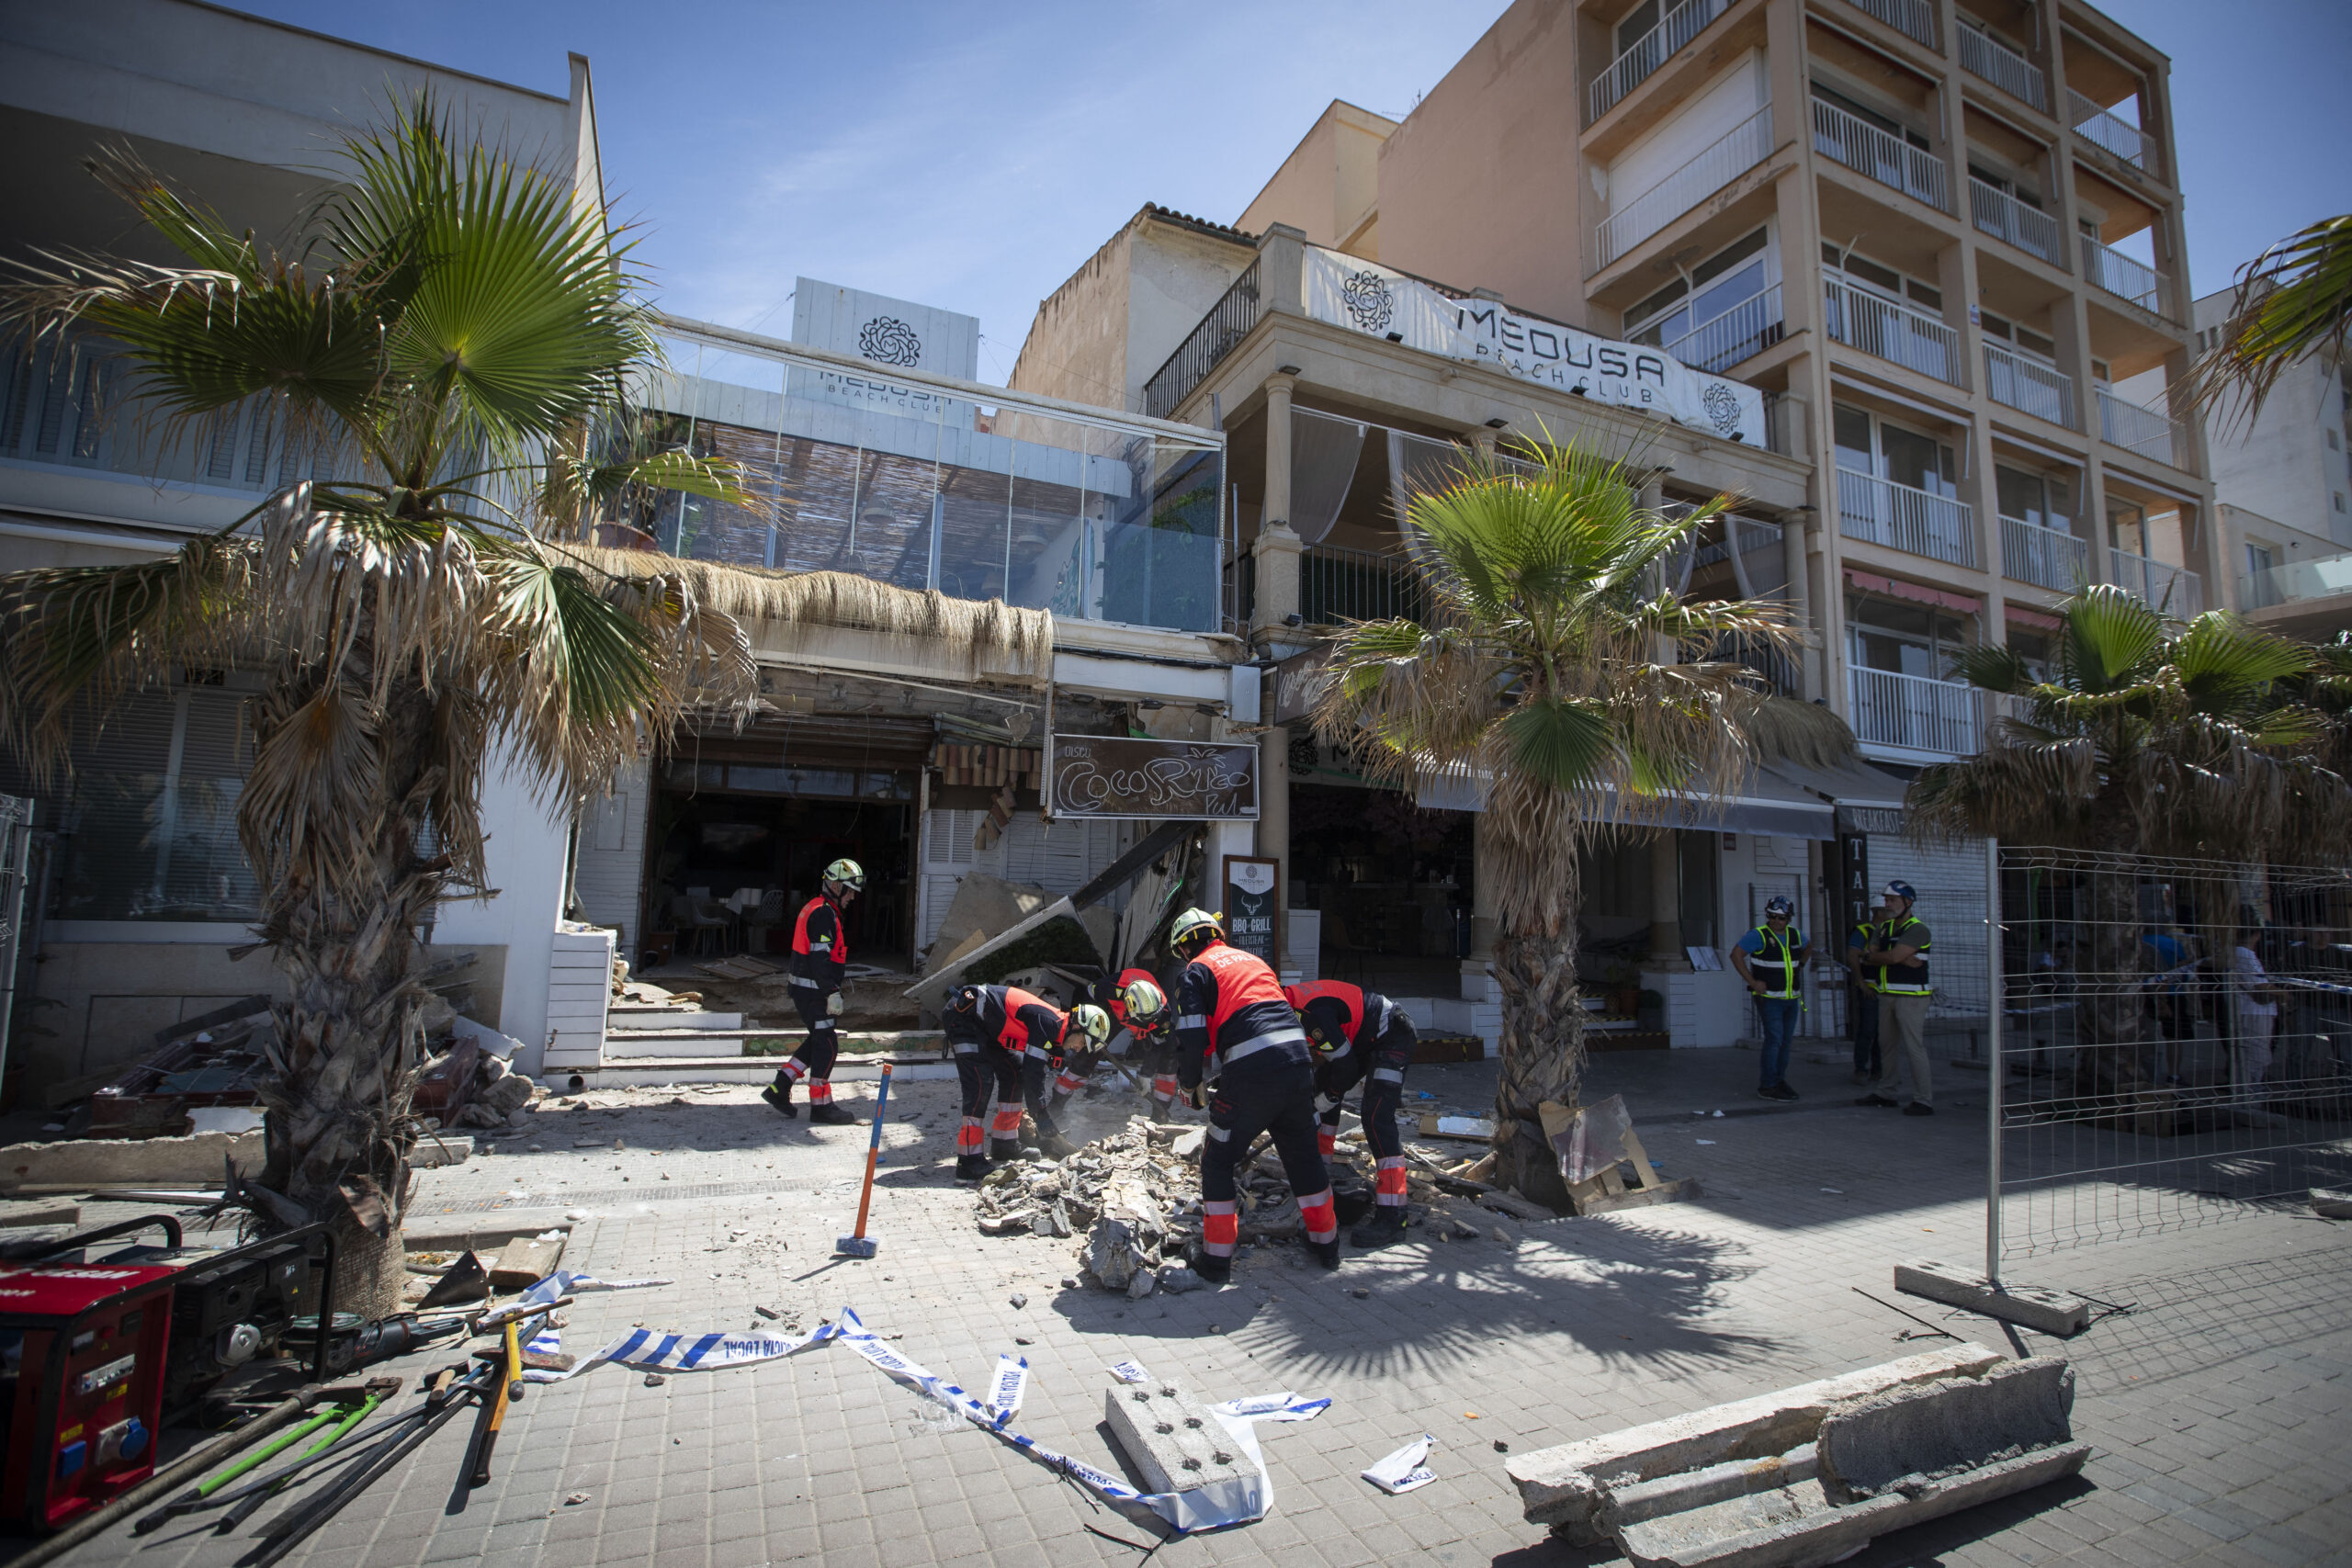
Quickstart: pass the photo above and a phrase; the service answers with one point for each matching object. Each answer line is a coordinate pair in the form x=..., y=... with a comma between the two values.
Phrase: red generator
x=82, y=1349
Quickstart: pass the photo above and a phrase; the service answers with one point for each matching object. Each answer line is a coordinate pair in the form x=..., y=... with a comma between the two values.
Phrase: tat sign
x=1109, y=776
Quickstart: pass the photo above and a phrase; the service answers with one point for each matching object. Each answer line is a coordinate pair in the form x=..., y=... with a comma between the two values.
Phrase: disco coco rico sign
x=1109, y=776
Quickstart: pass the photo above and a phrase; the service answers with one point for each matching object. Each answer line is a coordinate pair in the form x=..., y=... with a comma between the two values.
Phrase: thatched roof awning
x=795, y=616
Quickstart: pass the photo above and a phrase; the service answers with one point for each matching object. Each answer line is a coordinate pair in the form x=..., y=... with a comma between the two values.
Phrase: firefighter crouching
x=1004, y=1038
x=1239, y=1040
x=1135, y=1002
x=819, y=960
x=1361, y=1036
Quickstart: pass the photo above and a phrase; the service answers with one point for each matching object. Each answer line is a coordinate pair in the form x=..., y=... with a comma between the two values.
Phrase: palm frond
x=2293, y=301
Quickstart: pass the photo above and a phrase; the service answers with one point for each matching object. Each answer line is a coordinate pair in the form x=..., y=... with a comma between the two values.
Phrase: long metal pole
x=1997, y=1071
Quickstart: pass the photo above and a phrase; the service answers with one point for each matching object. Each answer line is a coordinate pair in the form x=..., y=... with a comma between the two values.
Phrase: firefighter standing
x=1135, y=1001
x=1234, y=1028
x=1361, y=1036
x=1004, y=1036
x=819, y=959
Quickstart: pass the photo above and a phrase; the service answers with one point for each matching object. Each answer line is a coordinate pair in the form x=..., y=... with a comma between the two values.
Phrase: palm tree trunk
x=338, y=1132
x=1542, y=1052
x=2111, y=1015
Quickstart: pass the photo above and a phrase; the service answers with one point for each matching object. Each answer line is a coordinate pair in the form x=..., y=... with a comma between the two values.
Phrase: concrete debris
x=2043, y=1311
x=525, y=1262
x=1176, y=1443
x=1177, y=1279
x=1879, y=1462
x=2331, y=1204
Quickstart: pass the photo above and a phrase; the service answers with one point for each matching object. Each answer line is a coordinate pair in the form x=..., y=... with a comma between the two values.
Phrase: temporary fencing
x=2175, y=1044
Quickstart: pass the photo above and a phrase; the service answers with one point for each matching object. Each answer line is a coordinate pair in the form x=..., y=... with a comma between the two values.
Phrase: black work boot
x=779, y=1094
x=1004, y=1148
x=1387, y=1225
x=971, y=1168
x=1211, y=1269
x=831, y=1115
x=1055, y=1146
x=1327, y=1252
x=1353, y=1206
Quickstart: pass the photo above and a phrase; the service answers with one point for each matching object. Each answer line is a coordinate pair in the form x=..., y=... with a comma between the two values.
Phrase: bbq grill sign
x=1349, y=292
x=1108, y=777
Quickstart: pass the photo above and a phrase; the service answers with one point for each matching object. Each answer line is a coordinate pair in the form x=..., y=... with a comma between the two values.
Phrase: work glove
x=834, y=1004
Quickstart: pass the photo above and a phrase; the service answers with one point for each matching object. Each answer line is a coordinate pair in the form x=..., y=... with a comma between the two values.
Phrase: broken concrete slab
x=1562, y=1486
x=2030, y=1306
x=38, y=1211
x=1177, y=1443
x=80, y=1163
x=1885, y=1443
x=1882, y=1462
x=2331, y=1204
x=523, y=1262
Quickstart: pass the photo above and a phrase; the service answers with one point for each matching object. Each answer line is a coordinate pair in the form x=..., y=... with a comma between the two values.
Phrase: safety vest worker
x=819, y=963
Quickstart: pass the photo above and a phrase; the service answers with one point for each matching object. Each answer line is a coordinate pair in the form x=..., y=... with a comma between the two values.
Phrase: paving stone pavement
x=2217, y=1403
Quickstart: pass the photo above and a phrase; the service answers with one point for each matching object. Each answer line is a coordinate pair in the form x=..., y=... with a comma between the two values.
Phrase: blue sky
x=973, y=157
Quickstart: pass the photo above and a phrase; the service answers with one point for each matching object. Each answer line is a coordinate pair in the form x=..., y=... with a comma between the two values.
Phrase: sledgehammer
x=858, y=1244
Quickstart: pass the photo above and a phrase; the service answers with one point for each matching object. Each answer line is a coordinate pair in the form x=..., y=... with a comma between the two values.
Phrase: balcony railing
x=2004, y=217
x=2128, y=279
x=2030, y=386
x=1749, y=327
x=2151, y=432
x=1881, y=154
x=1916, y=713
x=1707, y=171
x=1914, y=18
x=1228, y=322
x=2047, y=557
x=2330, y=577
x=2175, y=589
x=2107, y=133
x=1651, y=50
x=1879, y=326
x=1881, y=512
x=1336, y=585
x=1982, y=55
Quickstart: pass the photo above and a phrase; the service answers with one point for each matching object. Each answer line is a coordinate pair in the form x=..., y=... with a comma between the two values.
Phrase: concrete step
x=636, y=1071
x=632, y=1018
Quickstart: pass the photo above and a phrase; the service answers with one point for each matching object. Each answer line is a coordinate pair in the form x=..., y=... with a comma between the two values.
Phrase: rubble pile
x=1132, y=1202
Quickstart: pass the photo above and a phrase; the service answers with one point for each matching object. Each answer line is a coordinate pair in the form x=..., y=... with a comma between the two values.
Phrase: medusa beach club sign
x=1349, y=292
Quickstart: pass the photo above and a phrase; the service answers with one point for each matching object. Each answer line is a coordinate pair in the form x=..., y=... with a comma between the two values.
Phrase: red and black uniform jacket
x=820, y=946
x=1229, y=1006
x=1114, y=1002
x=1010, y=1017
x=1355, y=1021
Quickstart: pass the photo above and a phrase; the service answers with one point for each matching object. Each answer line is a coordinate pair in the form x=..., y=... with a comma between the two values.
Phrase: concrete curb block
x=2043, y=1311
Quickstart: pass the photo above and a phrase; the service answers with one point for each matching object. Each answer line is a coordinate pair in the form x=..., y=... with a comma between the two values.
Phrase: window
x=2038, y=499
x=2340, y=500
x=1869, y=445
x=1637, y=22
x=2005, y=184
x=2334, y=444
x=1887, y=123
x=2258, y=559
x=1721, y=283
x=1902, y=637
x=1859, y=268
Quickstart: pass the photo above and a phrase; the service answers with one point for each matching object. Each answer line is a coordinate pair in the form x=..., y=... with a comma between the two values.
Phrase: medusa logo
x=1723, y=407
x=889, y=341
x=1369, y=303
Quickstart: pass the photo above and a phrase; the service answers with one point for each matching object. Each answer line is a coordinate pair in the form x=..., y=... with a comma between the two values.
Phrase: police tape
x=1209, y=1507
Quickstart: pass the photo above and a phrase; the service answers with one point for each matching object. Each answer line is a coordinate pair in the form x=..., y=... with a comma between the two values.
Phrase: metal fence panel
x=2142, y=1088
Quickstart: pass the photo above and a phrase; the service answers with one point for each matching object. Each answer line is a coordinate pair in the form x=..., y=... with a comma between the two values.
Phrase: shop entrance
x=1395, y=884
x=735, y=849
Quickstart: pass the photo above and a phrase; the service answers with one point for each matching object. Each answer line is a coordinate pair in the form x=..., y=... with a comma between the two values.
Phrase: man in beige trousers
x=1897, y=960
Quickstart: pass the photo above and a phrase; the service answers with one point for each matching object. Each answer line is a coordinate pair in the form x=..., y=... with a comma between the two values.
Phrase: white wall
x=526, y=858
x=608, y=875
x=1705, y=119
x=2282, y=464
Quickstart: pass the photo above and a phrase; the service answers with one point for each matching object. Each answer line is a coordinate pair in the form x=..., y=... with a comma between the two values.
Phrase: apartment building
x=141, y=898
x=1946, y=236
x=2284, y=482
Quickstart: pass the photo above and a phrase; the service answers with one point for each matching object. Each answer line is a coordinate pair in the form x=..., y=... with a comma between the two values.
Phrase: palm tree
x=1552, y=670
x=2294, y=300
x=2147, y=737
x=449, y=337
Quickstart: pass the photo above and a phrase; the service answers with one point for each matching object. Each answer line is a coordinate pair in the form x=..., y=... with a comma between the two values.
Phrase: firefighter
x=1239, y=1047
x=819, y=958
x=1135, y=1001
x=1361, y=1036
x=1111, y=996
x=1001, y=1035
